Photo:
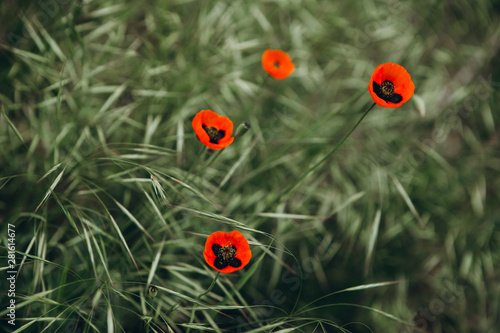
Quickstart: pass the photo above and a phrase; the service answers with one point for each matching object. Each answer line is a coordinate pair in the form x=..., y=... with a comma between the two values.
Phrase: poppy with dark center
x=212, y=130
x=227, y=252
x=277, y=63
x=391, y=85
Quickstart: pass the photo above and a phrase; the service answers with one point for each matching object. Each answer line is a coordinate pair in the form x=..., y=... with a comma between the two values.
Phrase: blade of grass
x=360, y=287
x=284, y=196
x=134, y=220
x=407, y=200
x=109, y=320
x=12, y=126
x=91, y=253
x=124, y=242
x=154, y=265
x=372, y=241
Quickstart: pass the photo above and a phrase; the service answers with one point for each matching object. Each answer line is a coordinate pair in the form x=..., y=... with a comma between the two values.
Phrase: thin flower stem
x=209, y=288
x=330, y=153
x=174, y=306
x=209, y=162
x=189, y=173
x=198, y=160
x=320, y=122
x=213, y=159
x=200, y=296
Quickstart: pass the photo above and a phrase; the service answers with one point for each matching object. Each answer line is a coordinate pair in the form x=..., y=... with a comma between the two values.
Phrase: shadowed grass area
x=112, y=195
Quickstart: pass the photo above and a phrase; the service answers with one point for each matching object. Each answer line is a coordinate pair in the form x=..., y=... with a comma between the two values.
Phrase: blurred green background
x=101, y=172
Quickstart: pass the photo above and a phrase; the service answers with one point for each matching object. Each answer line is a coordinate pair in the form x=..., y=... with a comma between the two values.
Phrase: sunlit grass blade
x=52, y=43
x=12, y=126
x=52, y=186
x=91, y=253
x=224, y=219
x=112, y=98
x=249, y=273
x=407, y=200
x=242, y=158
x=5, y=180
x=134, y=220
x=372, y=241
x=158, y=213
x=26, y=326
x=289, y=190
x=103, y=259
x=66, y=213
x=124, y=242
x=356, y=288
x=154, y=264
x=110, y=320
x=388, y=315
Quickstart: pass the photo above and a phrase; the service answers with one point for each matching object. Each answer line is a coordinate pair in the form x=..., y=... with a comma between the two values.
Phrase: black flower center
x=225, y=256
x=214, y=134
x=276, y=64
x=386, y=92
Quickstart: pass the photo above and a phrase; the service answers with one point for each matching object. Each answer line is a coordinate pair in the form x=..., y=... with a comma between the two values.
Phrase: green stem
x=189, y=173
x=213, y=159
x=209, y=162
x=200, y=296
x=209, y=288
x=198, y=160
x=285, y=195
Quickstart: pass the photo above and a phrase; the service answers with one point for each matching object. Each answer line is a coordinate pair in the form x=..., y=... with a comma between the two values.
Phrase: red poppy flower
x=277, y=63
x=212, y=130
x=391, y=85
x=227, y=252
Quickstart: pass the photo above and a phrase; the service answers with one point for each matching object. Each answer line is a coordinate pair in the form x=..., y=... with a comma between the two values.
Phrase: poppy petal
x=226, y=124
x=391, y=85
x=212, y=130
x=209, y=118
x=277, y=63
x=227, y=252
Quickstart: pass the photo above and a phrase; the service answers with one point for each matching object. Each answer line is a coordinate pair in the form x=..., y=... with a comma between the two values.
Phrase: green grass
x=111, y=192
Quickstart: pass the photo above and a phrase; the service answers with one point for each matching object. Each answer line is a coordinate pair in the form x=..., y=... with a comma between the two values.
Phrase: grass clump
x=112, y=195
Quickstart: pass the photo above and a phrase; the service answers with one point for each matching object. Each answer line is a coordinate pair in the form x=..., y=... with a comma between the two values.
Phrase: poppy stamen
x=386, y=92
x=214, y=134
x=276, y=64
x=387, y=88
x=225, y=256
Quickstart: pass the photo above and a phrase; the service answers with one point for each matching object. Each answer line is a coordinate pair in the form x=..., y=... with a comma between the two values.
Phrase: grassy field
x=111, y=196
